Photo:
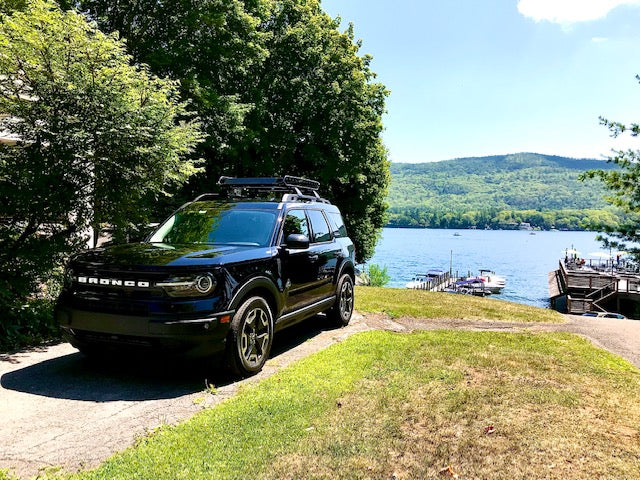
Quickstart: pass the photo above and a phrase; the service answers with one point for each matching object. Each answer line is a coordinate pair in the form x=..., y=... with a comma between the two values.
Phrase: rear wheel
x=251, y=337
x=340, y=313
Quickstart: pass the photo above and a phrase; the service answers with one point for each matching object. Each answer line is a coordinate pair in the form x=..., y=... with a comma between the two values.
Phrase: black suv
x=220, y=275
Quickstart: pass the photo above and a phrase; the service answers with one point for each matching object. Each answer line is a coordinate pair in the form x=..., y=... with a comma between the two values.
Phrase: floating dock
x=594, y=287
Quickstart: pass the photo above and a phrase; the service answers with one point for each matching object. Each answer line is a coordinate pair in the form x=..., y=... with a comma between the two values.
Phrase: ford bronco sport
x=221, y=275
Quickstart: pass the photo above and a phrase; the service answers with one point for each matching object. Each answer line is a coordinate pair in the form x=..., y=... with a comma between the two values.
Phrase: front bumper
x=192, y=337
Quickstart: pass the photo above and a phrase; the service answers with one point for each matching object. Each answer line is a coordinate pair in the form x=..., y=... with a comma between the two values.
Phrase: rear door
x=297, y=265
x=324, y=253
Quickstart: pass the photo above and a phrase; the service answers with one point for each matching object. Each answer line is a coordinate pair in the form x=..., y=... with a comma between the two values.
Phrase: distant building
x=524, y=226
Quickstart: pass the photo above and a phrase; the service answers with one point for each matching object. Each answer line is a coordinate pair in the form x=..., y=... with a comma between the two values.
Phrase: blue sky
x=475, y=78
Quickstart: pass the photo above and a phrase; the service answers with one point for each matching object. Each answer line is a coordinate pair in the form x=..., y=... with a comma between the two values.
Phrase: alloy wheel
x=254, y=340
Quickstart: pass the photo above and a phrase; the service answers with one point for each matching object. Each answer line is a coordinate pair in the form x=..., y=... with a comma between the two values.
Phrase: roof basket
x=293, y=188
x=270, y=183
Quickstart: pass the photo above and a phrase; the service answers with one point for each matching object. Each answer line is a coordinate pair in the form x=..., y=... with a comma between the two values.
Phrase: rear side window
x=321, y=231
x=337, y=224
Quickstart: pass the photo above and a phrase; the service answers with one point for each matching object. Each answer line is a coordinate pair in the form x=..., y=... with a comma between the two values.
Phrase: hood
x=150, y=255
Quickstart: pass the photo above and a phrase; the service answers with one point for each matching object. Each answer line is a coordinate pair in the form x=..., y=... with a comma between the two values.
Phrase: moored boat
x=472, y=286
x=492, y=282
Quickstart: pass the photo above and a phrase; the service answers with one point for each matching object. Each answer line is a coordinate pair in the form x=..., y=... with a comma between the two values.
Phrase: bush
x=378, y=277
x=28, y=319
x=30, y=323
x=98, y=136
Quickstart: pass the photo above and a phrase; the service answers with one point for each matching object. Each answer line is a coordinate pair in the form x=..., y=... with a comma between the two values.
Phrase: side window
x=321, y=232
x=296, y=222
x=337, y=225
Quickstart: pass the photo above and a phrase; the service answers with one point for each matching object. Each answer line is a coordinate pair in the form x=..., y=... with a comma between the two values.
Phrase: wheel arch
x=348, y=268
x=259, y=286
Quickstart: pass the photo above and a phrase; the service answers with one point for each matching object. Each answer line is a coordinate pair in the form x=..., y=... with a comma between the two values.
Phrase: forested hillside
x=498, y=192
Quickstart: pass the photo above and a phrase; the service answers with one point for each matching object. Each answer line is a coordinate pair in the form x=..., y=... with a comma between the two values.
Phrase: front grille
x=87, y=283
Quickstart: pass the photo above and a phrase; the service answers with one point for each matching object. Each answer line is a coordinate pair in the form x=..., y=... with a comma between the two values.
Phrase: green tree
x=623, y=184
x=97, y=135
x=280, y=90
x=214, y=48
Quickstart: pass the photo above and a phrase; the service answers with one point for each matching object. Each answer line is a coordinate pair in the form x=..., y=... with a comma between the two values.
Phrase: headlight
x=198, y=285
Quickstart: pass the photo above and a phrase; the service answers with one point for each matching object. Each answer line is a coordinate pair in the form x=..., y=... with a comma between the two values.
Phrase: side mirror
x=297, y=241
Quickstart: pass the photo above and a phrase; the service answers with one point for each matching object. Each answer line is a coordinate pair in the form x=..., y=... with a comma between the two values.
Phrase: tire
x=250, y=337
x=340, y=313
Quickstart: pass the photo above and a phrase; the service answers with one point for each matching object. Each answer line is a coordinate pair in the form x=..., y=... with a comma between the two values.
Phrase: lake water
x=523, y=258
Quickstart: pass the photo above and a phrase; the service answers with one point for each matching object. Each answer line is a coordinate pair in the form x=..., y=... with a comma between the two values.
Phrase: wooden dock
x=436, y=283
x=447, y=282
x=594, y=288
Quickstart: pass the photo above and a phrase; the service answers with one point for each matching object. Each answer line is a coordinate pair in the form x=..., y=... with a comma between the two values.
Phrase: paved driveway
x=56, y=409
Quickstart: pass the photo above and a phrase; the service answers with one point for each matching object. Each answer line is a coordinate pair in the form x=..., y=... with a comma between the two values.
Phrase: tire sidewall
x=237, y=360
x=341, y=318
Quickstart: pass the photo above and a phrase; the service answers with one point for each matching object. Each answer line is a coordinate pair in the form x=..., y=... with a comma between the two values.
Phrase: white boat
x=492, y=282
x=421, y=280
x=417, y=282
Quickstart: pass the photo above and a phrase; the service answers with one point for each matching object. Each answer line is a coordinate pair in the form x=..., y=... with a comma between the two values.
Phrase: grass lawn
x=397, y=302
x=436, y=404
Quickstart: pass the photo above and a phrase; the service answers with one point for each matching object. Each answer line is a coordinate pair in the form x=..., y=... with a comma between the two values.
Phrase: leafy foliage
x=97, y=135
x=623, y=185
x=280, y=90
x=378, y=276
x=499, y=191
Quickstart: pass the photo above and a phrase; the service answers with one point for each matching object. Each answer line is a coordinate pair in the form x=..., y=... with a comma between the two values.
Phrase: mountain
x=494, y=191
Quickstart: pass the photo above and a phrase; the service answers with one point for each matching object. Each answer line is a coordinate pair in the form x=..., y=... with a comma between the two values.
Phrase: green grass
x=397, y=302
x=4, y=475
x=383, y=404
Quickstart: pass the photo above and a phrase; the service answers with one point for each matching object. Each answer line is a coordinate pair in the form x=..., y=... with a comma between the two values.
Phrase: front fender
x=257, y=284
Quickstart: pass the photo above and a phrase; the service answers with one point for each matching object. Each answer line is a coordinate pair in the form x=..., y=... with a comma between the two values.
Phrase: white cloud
x=599, y=39
x=569, y=11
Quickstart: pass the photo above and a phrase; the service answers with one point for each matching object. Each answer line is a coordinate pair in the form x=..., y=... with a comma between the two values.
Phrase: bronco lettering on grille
x=113, y=282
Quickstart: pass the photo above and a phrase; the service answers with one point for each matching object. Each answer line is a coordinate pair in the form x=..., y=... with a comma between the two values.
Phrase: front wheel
x=251, y=337
x=340, y=313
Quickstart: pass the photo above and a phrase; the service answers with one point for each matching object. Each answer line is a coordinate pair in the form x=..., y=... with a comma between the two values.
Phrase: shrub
x=378, y=277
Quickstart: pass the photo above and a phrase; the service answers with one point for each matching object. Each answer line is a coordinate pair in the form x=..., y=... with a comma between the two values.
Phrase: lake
x=524, y=258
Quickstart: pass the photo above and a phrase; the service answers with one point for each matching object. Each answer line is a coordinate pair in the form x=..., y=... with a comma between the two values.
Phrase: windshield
x=210, y=222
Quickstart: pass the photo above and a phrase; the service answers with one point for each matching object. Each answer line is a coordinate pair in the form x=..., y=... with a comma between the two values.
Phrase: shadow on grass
x=137, y=378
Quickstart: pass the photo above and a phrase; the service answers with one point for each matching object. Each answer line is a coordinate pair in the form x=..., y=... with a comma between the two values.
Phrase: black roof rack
x=270, y=183
x=293, y=188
